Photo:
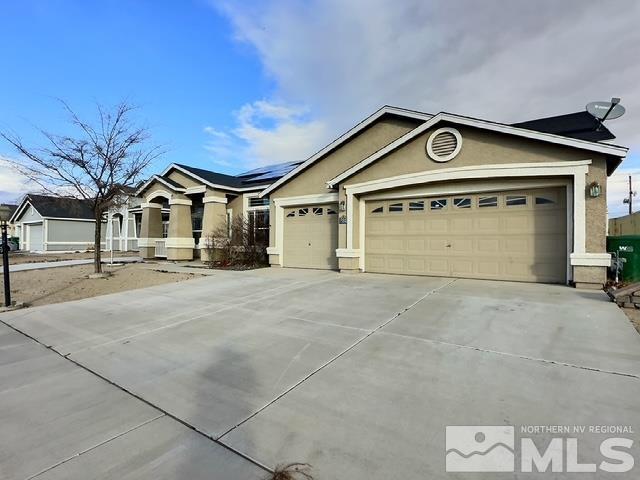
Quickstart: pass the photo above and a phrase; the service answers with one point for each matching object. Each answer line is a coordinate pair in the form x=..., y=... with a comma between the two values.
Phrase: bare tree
x=96, y=165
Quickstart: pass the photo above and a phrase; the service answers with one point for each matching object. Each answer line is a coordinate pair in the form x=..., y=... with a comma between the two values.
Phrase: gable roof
x=604, y=148
x=386, y=110
x=581, y=125
x=49, y=206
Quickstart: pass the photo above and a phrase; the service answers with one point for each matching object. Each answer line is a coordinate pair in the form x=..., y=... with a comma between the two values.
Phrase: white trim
x=18, y=213
x=343, y=138
x=446, y=158
x=489, y=185
x=160, y=180
x=31, y=222
x=245, y=202
x=159, y=193
x=196, y=189
x=72, y=219
x=576, y=204
x=213, y=185
x=361, y=225
x=347, y=252
x=483, y=124
x=279, y=205
x=150, y=205
x=180, y=201
x=591, y=259
x=180, y=242
x=215, y=199
x=306, y=199
x=88, y=242
x=148, y=241
x=469, y=173
x=273, y=251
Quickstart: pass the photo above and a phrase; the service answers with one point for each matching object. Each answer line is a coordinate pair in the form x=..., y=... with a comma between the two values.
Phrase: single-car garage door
x=311, y=236
x=35, y=237
x=503, y=236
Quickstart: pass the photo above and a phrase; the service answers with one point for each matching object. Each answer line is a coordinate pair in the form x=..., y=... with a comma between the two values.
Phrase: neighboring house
x=406, y=192
x=54, y=224
x=123, y=223
x=183, y=205
x=627, y=225
x=11, y=230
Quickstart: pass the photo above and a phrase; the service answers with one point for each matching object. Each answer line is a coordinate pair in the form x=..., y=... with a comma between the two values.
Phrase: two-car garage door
x=503, y=235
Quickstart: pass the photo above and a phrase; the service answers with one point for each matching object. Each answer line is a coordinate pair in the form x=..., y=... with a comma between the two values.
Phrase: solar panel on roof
x=272, y=170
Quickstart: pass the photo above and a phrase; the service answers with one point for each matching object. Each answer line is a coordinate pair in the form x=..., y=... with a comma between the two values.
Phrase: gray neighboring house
x=54, y=224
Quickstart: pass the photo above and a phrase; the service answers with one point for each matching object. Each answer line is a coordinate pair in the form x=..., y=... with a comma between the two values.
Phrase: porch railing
x=161, y=249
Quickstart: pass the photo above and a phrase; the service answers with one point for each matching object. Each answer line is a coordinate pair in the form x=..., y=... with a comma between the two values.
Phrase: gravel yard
x=17, y=258
x=55, y=285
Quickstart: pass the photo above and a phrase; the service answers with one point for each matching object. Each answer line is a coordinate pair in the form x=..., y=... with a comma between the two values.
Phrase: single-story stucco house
x=406, y=192
x=47, y=223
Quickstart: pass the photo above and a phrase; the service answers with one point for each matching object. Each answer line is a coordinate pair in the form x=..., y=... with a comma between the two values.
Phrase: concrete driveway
x=357, y=375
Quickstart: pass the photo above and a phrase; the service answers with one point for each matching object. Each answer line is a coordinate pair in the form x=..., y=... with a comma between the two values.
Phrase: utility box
x=627, y=247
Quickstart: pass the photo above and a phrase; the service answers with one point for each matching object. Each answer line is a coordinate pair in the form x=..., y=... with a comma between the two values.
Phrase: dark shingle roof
x=580, y=125
x=214, y=177
x=61, y=207
x=258, y=176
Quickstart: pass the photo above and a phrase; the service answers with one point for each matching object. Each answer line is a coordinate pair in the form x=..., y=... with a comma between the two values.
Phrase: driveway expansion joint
x=514, y=355
x=142, y=399
x=336, y=357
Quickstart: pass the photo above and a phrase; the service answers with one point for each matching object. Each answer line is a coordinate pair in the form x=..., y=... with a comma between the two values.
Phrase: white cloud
x=505, y=61
x=13, y=184
x=265, y=132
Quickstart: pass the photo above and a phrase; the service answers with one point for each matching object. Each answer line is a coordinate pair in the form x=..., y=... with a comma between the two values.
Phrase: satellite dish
x=606, y=110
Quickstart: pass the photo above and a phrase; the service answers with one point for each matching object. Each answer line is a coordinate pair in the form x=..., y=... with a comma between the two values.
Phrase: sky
x=228, y=86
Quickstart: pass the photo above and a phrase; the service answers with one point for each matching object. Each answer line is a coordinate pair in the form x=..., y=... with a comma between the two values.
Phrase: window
x=331, y=211
x=395, y=208
x=292, y=213
x=487, y=202
x=259, y=227
x=544, y=201
x=317, y=210
x=302, y=212
x=513, y=200
x=258, y=202
x=416, y=206
x=462, y=202
x=377, y=210
x=438, y=204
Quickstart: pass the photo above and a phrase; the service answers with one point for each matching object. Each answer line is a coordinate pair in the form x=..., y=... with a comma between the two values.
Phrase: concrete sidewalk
x=24, y=267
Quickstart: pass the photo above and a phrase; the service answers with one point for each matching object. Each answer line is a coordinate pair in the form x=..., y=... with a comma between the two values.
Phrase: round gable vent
x=444, y=144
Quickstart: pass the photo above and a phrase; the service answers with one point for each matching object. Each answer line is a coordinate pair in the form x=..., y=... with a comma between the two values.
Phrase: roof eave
x=607, y=149
x=387, y=109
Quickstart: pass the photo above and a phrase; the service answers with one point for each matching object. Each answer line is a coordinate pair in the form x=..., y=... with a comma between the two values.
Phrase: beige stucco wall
x=485, y=148
x=589, y=277
x=182, y=179
x=313, y=180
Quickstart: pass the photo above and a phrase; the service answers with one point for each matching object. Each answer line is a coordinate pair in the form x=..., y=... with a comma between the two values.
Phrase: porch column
x=213, y=219
x=179, y=242
x=150, y=229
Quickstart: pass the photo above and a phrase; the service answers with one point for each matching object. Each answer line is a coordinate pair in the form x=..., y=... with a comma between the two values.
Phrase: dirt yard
x=61, y=284
x=633, y=314
x=16, y=258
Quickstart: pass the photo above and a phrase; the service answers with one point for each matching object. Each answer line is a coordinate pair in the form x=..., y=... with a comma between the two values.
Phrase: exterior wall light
x=342, y=206
x=595, y=190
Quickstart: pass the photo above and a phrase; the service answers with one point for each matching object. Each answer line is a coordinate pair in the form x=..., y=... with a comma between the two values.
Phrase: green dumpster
x=627, y=247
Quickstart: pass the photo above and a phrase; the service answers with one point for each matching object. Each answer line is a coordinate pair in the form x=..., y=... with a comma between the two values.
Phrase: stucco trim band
x=591, y=259
x=180, y=242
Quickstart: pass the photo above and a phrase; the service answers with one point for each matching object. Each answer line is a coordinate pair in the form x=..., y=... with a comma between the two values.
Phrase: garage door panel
x=311, y=237
x=525, y=241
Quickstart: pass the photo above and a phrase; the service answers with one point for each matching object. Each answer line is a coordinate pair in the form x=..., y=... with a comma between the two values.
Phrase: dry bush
x=240, y=249
x=291, y=471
